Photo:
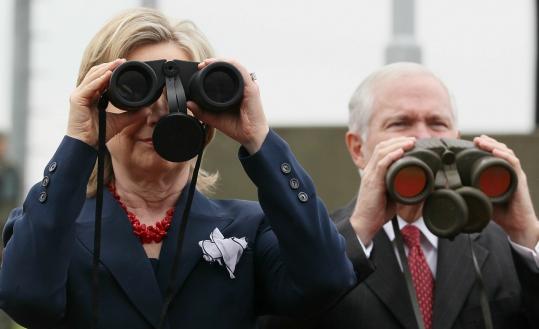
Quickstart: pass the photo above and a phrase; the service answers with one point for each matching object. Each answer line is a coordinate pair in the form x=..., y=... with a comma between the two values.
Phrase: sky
x=308, y=55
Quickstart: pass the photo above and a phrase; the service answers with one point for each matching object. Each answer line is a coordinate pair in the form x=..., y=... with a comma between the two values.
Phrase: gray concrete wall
x=323, y=153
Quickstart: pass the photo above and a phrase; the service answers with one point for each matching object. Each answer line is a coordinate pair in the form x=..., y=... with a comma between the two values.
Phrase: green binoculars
x=457, y=182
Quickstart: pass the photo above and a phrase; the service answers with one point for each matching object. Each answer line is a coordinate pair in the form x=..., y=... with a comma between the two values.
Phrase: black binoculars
x=457, y=182
x=178, y=136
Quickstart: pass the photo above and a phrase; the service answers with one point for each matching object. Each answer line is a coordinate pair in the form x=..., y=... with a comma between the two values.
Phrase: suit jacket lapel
x=203, y=219
x=387, y=282
x=455, y=277
x=123, y=254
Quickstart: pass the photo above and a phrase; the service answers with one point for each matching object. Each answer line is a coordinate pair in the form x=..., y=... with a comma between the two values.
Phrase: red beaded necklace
x=146, y=234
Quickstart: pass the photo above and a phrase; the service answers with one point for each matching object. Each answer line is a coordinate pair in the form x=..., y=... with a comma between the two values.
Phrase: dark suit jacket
x=382, y=301
x=45, y=280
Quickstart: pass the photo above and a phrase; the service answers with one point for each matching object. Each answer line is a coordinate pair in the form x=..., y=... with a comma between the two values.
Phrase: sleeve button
x=43, y=197
x=294, y=183
x=45, y=181
x=303, y=197
x=285, y=168
x=52, y=166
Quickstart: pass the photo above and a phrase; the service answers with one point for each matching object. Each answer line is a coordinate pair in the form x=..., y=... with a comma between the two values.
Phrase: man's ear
x=353, y=144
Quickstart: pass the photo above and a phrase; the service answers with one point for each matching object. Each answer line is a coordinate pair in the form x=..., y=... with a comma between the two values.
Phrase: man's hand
x=373, y=209
x=517, y=217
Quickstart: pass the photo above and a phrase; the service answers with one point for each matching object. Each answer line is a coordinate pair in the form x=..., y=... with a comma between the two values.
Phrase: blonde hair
x=130, y=30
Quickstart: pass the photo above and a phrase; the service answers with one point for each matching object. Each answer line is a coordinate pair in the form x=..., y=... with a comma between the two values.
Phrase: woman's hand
x=83, y=113
x=248, y=126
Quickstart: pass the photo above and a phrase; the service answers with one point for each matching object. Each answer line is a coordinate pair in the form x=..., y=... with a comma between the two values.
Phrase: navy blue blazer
x=294, y=258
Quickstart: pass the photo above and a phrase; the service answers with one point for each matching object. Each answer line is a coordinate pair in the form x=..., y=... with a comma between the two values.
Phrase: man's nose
x=422, y=131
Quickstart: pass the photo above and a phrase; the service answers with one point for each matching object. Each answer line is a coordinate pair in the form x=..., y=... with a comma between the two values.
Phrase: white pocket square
x=225, y=252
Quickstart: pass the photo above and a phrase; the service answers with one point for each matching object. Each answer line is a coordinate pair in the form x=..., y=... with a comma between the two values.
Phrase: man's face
x=414, y=104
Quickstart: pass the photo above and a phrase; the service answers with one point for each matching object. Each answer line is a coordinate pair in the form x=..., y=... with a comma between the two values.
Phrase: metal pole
x=21, y=83
x=403, y=46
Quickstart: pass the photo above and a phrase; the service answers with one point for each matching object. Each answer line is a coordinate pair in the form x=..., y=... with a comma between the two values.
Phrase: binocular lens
x=445, y=213
x=133, y=85
x=479, y=209
x=410, y=181
x=494, y=181
x=220, y=85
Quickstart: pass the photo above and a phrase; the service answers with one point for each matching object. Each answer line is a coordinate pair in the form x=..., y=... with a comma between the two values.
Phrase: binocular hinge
x=448, y=177
x=177, y=102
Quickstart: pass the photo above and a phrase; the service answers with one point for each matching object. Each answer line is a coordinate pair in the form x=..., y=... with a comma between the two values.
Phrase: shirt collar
x=420, y=224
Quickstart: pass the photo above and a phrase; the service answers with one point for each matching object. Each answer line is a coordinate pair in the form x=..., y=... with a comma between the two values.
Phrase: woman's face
x=132, y=147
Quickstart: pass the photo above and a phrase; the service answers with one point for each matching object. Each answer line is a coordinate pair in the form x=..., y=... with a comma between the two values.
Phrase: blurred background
x=309, y=56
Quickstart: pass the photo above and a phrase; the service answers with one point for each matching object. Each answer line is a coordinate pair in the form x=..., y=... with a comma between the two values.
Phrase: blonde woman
x=291, y=256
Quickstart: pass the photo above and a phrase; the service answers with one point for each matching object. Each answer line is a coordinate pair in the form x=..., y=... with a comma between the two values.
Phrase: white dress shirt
x=429, y=245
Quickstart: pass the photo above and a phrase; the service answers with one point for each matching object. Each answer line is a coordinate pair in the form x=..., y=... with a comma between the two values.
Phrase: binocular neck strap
x=177, y=102
x=101, y=150
x=485, y=308
x=170, y=292
x=407, y=274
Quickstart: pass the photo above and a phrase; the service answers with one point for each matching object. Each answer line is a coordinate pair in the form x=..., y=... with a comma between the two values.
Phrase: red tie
x=421, y=274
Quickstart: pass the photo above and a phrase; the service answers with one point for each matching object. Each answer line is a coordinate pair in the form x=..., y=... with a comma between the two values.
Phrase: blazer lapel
x=387, y=281
x=203, y=219
x=123, y=254
x=455, y=277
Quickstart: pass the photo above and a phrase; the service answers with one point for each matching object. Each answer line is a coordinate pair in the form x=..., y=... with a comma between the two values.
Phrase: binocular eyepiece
x=218, y=87
x=178, y=136
x=457, y=181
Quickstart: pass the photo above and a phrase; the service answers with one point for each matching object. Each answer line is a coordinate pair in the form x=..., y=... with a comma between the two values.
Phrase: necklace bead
x=145, y=233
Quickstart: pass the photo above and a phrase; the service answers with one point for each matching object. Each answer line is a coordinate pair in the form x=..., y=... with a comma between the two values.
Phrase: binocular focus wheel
x=445, y=213
x=409, y=180
x=178, y=137
x=479, y=209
